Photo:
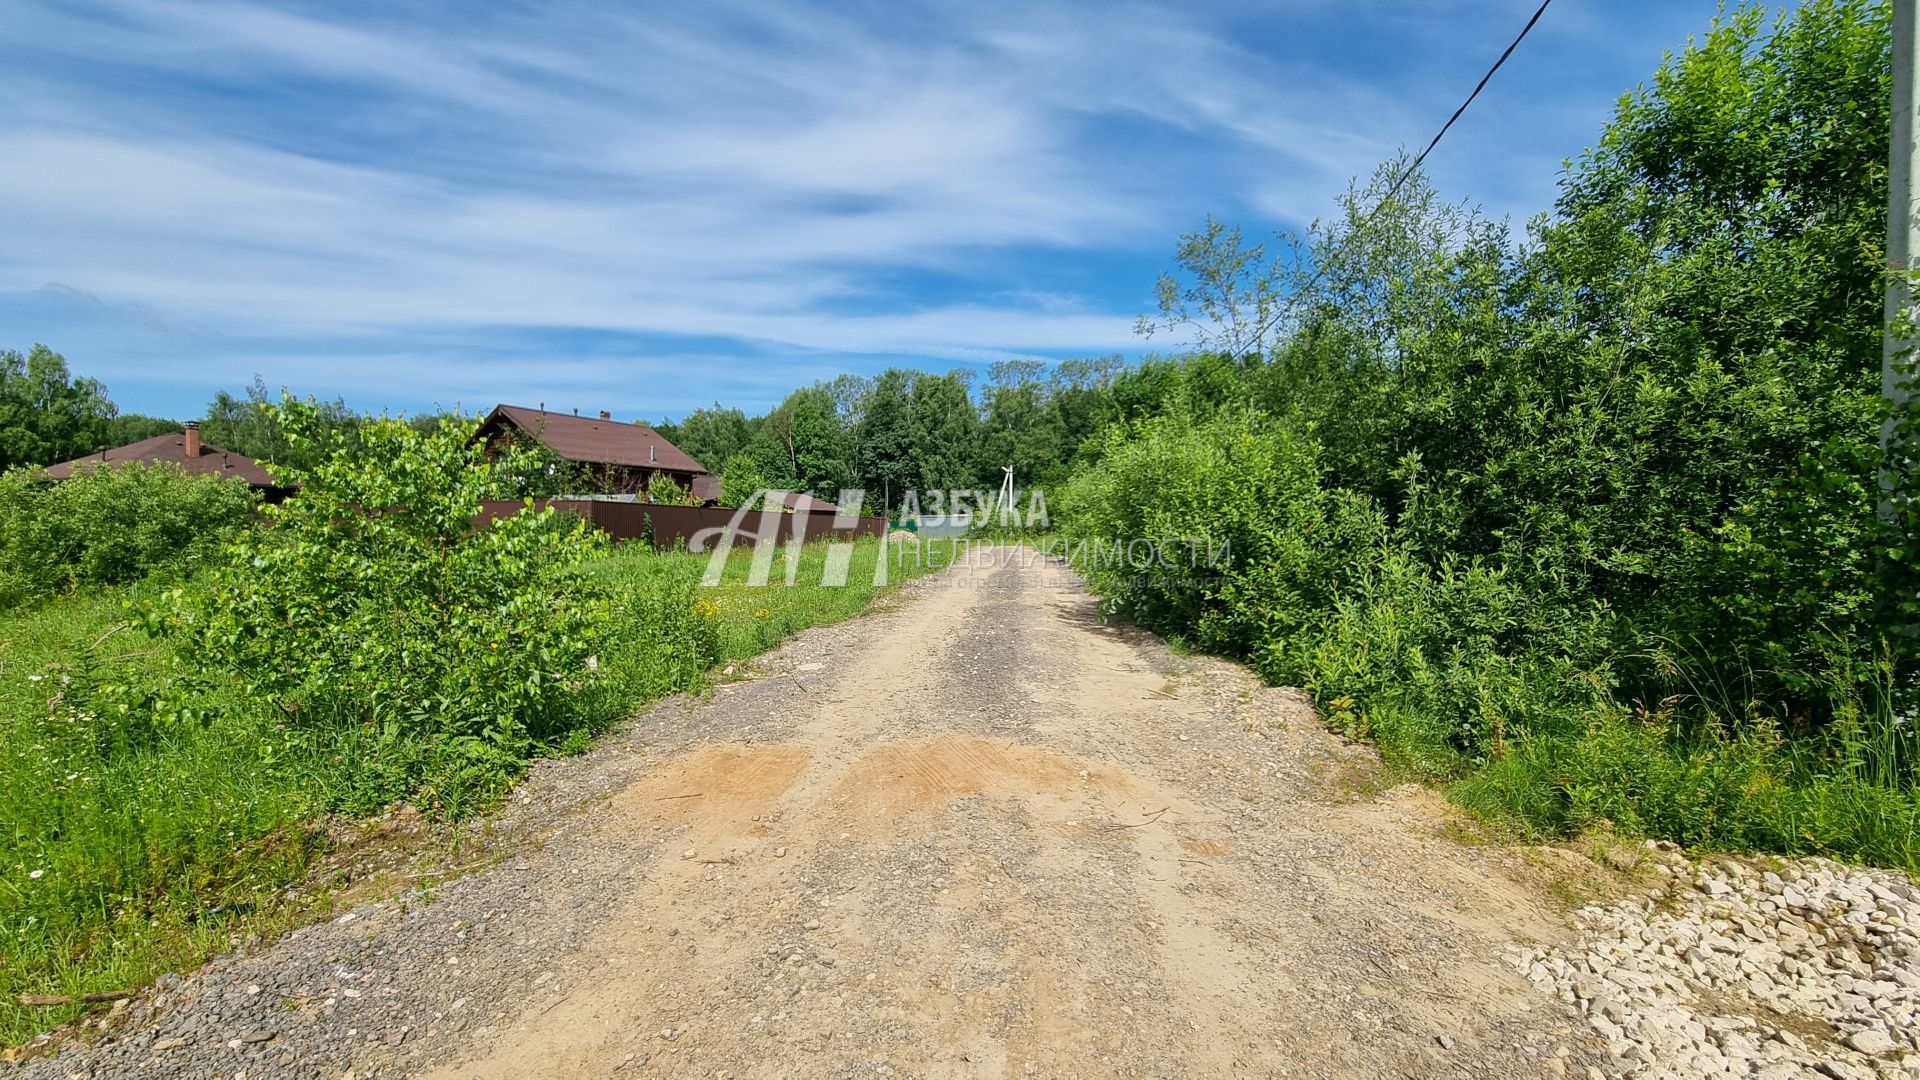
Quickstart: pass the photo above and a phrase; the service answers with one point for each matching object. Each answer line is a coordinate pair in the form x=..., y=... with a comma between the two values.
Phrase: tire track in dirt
x=1000, y=840
x=980, y=833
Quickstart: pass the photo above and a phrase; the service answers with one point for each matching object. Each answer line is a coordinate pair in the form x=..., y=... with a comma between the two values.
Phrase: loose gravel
x=987, y=834
x=1803, y=968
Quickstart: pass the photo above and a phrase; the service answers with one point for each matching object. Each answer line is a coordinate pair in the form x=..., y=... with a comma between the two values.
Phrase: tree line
x=49, y=415
x=904, y=430
x=899, y=431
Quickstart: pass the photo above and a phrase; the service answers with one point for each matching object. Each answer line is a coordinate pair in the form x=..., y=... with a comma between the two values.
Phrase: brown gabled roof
x=594, y=442
x=171, y=449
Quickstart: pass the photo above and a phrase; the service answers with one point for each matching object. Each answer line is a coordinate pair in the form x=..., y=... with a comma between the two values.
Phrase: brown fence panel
x=667, y=525
x=677, y=523
x=620, y=520
x=492, y=510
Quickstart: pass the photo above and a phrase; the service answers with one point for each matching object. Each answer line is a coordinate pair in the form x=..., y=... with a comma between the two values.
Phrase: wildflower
x=37, y=875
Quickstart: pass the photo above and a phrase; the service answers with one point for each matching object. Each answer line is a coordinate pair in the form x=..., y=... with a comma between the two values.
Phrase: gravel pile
x=1731, y=970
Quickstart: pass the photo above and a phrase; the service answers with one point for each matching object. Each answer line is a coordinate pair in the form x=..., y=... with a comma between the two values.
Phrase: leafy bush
x=1239, y=485
x=107, y=526
x=374, y=603
x=666, y=491
x=740, y=479
x=151, y=812
x=1587, y=519
x=1315, y=590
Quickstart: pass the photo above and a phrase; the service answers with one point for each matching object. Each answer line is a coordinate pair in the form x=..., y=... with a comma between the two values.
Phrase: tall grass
x=140, y=830
x=120, y=858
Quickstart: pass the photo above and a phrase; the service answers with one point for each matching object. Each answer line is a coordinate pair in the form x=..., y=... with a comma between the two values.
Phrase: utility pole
x=1903, y=241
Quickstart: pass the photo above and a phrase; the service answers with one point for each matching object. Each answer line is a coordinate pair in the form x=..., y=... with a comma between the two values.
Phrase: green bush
x=1240, y=486
x=109, y=526
x=1584, y=522
x=373, y=608
x=1667, y=402
x=1441, y=664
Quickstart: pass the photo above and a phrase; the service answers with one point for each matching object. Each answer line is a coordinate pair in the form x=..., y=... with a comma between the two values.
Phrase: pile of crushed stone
x=1812, y=968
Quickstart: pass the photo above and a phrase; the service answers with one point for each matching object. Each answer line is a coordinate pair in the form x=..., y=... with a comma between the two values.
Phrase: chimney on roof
x=605, y=415
x=192, y=430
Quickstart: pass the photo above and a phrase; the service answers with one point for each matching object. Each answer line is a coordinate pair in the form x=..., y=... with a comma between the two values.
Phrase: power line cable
x=1407, y=174
x=1481, y=85
x=1320, y=268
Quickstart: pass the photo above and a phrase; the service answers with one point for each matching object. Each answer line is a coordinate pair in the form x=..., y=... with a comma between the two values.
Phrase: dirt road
x=977, y=834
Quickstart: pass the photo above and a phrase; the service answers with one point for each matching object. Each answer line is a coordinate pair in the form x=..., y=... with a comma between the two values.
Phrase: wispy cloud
x=331, y=199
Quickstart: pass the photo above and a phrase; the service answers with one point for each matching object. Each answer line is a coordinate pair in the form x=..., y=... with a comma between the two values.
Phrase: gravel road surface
x=976, y=833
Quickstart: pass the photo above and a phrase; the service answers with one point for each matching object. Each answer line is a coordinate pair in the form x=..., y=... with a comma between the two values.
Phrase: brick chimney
x=192, y=430
x=605, y=415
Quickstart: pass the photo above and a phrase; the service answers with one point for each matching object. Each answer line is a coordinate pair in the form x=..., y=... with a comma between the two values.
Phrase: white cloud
x=714, y=171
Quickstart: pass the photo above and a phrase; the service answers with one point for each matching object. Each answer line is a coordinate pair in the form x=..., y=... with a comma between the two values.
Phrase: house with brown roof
x=615, y=458
x=184, y=449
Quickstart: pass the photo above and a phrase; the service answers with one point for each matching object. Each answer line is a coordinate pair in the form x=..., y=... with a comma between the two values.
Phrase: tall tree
x=849, y=394
x=807, y=429
x=251, y=424
x=945, y=432
x=1020, y=425
x=711, y=435
x=133, y=427
x=47, y=415
x=888, y=465
x=1083, y=396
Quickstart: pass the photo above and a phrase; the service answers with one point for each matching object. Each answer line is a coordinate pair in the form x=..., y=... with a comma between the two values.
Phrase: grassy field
x=143, y=833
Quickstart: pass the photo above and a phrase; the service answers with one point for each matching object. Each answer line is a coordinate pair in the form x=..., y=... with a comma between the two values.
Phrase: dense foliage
x=252, y=424
x=153, y=809
x=46, y=415
x=907, y=431
x=372, y=601
x=1590, y=516
x=109, y=526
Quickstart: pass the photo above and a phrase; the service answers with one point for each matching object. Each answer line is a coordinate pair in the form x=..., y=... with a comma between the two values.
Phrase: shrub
x=1610, y=548
x=373, y=608
x=1441, y=665
x=107, y=526
x=666, y=491
x=740, y=479
x=1242, y=485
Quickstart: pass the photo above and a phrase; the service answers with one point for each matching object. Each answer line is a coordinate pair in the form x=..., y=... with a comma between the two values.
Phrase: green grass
x=131, y=846
x=1748, y=789
x=124, y=852
x=755, y=618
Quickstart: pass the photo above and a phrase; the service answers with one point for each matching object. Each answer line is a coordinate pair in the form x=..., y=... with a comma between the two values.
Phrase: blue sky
x=647, y=207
